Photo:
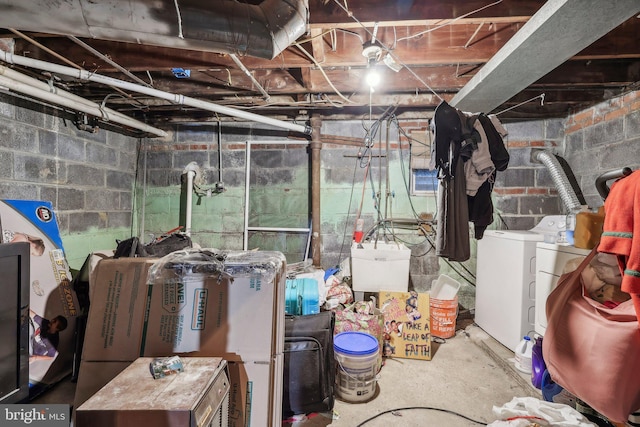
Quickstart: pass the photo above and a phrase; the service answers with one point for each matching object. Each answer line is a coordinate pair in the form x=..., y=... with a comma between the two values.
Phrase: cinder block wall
x=525, y=193
x=90, y=178
x=87, y=176
x=603, y=138
x=280, y=190
x=278, y=196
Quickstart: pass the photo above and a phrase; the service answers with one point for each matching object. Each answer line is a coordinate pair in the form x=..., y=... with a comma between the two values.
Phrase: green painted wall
x=78, y=246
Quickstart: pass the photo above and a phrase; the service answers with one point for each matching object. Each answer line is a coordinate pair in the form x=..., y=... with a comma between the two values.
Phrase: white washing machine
x=506, y=277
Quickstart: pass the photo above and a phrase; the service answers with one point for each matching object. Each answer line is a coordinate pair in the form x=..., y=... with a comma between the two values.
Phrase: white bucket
x=357, y=356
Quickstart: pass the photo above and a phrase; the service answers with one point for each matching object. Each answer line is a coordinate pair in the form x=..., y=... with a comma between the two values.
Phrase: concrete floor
x=468, y=374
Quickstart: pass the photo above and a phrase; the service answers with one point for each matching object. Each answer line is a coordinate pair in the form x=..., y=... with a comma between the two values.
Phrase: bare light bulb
x=373, y=77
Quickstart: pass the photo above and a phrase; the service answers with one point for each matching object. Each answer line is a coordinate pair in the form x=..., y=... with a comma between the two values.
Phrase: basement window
x=424, y=182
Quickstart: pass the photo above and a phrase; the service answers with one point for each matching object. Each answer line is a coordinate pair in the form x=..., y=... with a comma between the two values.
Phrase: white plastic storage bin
x=444, y=287
x=380, y=266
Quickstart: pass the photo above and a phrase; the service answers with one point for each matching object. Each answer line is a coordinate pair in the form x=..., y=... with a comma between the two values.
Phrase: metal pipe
x=175, y=98
x=247, y=187
x=219, y=151
x=53, y=53
x=144, y=193
x=24, y=84
x=316, y=235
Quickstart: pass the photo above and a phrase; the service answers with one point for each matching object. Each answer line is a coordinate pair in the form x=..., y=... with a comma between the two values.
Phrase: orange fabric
x=636, y=304
x=621, y=230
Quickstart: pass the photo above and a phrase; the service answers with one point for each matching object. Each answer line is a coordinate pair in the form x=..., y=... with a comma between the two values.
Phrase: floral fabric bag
x=362, y=316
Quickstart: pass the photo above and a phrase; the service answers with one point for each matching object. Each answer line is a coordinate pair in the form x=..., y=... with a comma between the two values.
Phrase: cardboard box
x=51, y=294
x=255, y=397
x=407, y=323
x=198, y=314
x=198, y=396
x=137, y=312
x=380, y=266
x=116, y=313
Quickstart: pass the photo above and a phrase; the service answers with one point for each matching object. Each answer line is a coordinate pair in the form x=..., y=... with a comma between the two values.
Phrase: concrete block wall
x=602, y=138
x=525, y=192
x=279, y=186
x=350, y=182
x=88, y=177
x=279, y=190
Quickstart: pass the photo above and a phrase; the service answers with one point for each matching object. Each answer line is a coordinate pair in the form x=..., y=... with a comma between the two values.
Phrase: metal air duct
x=224, y=26
x=559, y=178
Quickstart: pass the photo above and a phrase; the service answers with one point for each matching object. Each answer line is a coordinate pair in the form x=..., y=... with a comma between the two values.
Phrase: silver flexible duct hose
x=567, y=195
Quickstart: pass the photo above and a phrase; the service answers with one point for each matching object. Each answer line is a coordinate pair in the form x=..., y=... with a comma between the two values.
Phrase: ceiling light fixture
x=372, y=51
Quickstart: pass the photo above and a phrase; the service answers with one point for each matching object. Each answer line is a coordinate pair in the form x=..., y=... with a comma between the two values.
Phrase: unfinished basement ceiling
x=291, y=59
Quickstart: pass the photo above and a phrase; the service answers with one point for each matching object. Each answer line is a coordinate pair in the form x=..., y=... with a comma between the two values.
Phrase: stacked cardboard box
x=232, y=309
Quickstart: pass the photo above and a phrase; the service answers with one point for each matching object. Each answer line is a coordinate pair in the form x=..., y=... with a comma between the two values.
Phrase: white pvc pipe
x=33, y=87
x=174, y=98
x=244, y=69
x=187, y=225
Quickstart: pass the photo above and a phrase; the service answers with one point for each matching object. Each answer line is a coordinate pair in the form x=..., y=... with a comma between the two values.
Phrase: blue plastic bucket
x=357, y=355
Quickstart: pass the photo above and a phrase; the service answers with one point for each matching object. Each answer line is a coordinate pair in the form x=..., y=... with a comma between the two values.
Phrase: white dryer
x=506, y=277
x=550, y=261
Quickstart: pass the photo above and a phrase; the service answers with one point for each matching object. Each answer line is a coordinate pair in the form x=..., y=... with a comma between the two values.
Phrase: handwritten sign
x=407, y=324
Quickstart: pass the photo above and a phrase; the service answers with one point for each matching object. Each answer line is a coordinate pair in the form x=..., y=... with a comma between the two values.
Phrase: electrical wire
x=449, y=22
x=345, y=8
x=541, y=96
x=415, y=223
x=136, y=177
x=317, y=64
x=429, y=408
x=344, y=234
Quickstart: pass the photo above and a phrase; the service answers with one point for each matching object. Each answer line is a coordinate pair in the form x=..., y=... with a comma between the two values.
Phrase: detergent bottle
x=537, y=363
x=523, y=355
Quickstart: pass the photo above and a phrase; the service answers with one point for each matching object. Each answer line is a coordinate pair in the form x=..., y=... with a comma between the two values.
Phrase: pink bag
x=591, y=350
